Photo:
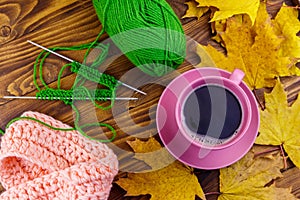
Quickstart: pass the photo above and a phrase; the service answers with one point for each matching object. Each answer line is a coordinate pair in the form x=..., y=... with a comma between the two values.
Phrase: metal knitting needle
x=70, y=60
x=55, y=98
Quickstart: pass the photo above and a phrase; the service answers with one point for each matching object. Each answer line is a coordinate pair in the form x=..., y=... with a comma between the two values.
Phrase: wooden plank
x=291, y=179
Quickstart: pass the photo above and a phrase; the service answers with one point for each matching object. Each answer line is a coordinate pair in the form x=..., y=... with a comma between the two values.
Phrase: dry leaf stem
x=212, y=193
x=266, y=152
x=284, y=157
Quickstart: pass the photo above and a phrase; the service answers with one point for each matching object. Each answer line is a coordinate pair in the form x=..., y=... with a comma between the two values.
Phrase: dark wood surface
x=73, y=22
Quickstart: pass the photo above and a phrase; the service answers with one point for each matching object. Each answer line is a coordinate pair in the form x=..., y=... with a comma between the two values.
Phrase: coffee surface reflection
x=212, y=111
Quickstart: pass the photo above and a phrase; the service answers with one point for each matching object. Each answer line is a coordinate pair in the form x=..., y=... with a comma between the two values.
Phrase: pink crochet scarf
x=37, y=162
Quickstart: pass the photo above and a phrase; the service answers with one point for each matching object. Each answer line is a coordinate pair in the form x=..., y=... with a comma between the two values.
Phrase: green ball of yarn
x=147, y=31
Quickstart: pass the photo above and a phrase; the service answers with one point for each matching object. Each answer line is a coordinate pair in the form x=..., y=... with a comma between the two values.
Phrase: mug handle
x=237, y=76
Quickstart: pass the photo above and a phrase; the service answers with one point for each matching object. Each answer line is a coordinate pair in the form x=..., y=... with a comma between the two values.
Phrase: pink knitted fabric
x=37, y=162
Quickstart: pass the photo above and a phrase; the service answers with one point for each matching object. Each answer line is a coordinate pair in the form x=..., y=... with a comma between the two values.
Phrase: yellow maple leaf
x=218, y=29
x=231, y=8
x=175, y=181
x=279, y=124
x=287, y=25
x=194, y=11
x=151, y=153
x=246, y=179
x=254, y=49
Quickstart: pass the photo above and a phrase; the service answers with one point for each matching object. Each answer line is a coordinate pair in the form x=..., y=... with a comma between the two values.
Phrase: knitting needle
x=54, y=98
x=70, y=60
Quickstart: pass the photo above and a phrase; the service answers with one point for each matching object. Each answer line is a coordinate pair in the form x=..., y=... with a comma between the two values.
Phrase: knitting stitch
x=37, y=162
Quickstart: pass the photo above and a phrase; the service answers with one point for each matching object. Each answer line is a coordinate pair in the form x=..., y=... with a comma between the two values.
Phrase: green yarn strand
x=80, y=128
x=67, y=129
x=40, y=122
x=148, y=32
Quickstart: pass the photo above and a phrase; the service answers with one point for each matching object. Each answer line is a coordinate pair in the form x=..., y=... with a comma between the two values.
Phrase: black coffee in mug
x=212, y=111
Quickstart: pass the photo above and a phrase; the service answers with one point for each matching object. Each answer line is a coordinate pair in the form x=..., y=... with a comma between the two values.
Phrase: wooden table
x=72, y=22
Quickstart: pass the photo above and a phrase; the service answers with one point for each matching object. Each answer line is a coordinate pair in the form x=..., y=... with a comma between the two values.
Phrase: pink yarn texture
x=37, y=162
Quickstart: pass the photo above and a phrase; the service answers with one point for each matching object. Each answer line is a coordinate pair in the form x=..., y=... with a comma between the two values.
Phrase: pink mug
x=214, y=112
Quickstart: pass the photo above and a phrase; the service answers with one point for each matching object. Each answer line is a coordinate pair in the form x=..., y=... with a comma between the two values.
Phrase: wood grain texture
x=72, y=22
